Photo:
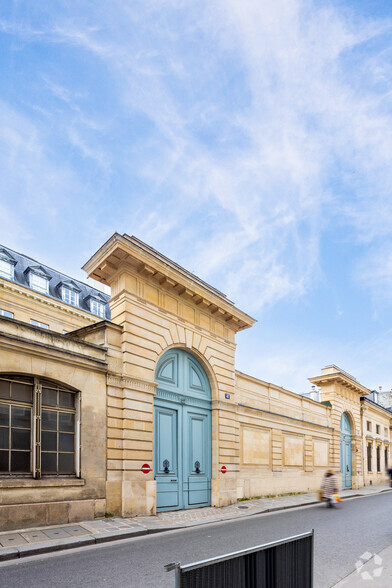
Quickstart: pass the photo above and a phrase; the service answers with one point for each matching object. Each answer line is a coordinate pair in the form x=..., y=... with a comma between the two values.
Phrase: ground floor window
x=369, y=457
x=386, y=457
x=378, y=455
x=39, y=428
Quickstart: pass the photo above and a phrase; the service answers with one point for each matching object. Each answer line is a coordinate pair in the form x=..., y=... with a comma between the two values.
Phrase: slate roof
x=22, y=264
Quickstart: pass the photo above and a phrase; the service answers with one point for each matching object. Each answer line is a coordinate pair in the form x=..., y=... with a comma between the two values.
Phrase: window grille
x=39, y=428
x=378, y=456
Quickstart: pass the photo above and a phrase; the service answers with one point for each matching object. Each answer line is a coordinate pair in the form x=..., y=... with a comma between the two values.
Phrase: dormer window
x=39, y=283
x=97, y=308
x=6, y=269
x=69, y=292
x=38, y=278
x=69, y=296
x=7, y=264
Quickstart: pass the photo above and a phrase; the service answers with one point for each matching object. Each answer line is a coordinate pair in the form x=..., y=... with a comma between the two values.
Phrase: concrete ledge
x=126, y=533
x=11, y=553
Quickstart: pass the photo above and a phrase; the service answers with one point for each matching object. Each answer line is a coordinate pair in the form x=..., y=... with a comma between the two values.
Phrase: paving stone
x=34, y=536
x=12, y=540
x=58, y=533
x=77, y=531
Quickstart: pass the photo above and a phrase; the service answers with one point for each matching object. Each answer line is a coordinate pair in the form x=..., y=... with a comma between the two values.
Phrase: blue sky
x=249, y=141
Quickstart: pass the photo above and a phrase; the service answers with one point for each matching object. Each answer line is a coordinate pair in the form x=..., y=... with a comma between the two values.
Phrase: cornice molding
x=163, y=272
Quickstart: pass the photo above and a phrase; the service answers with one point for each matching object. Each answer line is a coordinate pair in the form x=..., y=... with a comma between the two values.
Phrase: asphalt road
x=341, y=536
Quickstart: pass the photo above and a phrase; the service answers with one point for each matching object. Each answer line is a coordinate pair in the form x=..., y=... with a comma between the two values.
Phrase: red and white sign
x=146, y=468
x=223, y=469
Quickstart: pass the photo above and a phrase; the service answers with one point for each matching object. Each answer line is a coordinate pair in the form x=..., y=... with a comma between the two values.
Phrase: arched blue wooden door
x=182, y=433
x=345, y=451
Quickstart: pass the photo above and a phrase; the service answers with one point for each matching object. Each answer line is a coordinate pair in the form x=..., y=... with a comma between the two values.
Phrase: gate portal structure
x=345, y=451
x=182, y=433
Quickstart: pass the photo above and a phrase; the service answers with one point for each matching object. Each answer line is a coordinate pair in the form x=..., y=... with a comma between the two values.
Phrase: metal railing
x=281, y=564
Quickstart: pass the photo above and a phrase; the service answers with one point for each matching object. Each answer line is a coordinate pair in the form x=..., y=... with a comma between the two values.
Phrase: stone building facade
x=132, y=404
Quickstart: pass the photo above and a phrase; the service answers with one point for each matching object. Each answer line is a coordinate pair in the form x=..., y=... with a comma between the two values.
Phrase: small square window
x=39, y=283
x=368, y=426
x=97, y=308
x=38, y=324
x=377, y=429
x=6, y=269
x=69, y=296
x=6, y=313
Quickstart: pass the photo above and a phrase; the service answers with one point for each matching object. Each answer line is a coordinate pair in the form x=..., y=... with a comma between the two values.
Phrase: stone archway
x=182, y=432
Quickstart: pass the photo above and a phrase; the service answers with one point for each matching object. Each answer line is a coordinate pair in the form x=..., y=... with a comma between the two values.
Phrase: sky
x=250, y=142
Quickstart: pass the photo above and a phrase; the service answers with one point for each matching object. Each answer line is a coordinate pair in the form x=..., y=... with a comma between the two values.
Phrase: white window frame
x=38, y=324
x=6, y=269
x=97, y=308
x=6, y=313
x=73, y=297
x=39, y=283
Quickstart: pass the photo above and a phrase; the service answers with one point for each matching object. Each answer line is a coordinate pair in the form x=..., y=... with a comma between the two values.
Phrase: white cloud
x=265, y=129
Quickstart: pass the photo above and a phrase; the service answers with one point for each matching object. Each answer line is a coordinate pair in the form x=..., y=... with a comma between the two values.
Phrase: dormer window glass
x=69, y=296
x=39, y=283
x=97, y=308
x=6, y=269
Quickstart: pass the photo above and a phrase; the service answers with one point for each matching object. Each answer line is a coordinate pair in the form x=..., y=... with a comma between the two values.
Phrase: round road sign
x=223, y=469
x=146, y=468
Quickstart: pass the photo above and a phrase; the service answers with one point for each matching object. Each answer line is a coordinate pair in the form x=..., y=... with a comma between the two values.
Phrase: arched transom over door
x=182, y=432
x=345, y=451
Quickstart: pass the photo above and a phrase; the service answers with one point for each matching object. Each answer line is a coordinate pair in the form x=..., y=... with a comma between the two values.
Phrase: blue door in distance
x=345, y=451
x=182, y=433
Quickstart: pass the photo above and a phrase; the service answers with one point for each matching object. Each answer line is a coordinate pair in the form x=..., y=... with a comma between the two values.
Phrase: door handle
x=166, y=464
x=347, y=469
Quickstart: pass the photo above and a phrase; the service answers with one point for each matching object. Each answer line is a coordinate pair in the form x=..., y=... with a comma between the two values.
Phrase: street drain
x=243, y=507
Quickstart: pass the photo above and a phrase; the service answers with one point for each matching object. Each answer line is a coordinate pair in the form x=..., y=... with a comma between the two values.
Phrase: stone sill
x=42, y=483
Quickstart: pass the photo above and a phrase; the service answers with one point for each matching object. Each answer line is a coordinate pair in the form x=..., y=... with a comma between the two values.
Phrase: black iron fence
x=282, y=564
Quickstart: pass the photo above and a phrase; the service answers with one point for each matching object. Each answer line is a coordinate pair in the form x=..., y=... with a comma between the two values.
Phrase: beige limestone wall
x=285, y=439
x=376, y=424
x=30, y=351
x=154, y=321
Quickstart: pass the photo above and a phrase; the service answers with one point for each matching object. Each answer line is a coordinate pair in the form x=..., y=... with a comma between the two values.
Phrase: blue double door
x=345, y=452
x=182, y=433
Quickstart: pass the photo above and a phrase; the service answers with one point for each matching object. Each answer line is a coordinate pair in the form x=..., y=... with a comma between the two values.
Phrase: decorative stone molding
x=128, y=382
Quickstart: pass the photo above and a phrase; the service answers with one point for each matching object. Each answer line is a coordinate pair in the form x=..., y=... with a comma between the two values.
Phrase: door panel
x=166, y=457
x=197, y=462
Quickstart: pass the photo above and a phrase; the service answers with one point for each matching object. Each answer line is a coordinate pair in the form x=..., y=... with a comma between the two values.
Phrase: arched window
x=39, y=428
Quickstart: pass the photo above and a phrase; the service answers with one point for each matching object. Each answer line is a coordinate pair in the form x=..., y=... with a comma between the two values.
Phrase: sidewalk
x=27, y=542
x=374, y=567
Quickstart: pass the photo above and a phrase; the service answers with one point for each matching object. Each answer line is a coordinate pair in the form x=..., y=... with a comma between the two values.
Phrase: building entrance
x=345, y=451
x=182, y=433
